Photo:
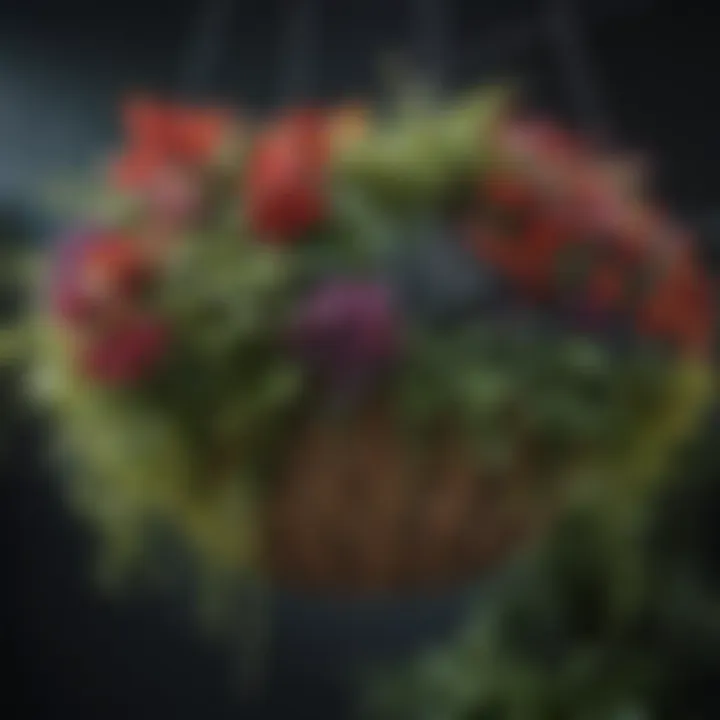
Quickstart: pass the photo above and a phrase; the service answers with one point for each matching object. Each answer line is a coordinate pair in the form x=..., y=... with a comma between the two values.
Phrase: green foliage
x=418, y=157
x=604, y=620
x=570, y=400
x=183, y=450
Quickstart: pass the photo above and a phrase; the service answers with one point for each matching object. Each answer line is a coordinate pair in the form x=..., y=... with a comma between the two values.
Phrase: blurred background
x=640, y=73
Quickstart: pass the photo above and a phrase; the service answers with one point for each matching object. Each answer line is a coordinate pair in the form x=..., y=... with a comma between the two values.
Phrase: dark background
x=641, y=72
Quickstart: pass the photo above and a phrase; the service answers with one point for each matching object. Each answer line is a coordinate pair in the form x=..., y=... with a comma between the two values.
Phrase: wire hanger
x=431, y=28
x=204, y=50
x=566, y=37
x=297, y=53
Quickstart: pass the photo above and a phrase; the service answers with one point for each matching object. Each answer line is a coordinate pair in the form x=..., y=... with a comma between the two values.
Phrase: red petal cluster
x=549, y=194
x=165, y=135
x=284, y=188
x=99, y=294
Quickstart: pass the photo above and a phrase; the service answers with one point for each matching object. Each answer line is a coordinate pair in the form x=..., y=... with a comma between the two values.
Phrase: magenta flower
x=346, y=330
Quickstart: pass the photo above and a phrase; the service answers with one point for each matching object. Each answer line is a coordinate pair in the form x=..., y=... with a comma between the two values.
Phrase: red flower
x=554, y=193
x=96, y=269
x=679, y=307
x=520, y=234
x=607, y=286
x=508, y=194
x=162, y=136
x=284, y=185
x=98, y=291
x=125, y=354
x=105, y=272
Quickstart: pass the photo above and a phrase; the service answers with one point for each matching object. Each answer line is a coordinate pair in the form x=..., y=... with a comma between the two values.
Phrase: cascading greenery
x=604, y=620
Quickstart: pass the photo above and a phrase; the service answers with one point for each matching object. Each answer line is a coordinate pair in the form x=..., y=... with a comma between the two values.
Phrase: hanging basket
x=358, y=353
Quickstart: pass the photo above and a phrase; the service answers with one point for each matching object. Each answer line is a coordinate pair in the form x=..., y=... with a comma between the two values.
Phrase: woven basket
x=358, y=508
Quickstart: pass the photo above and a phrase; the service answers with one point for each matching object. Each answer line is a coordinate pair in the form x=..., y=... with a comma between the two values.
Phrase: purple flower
x=346, y=330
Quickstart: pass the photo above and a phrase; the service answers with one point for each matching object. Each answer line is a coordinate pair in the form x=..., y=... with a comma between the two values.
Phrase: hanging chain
x=431, y=30
x=565, y=34
x=297, y=55
x=203, y=52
